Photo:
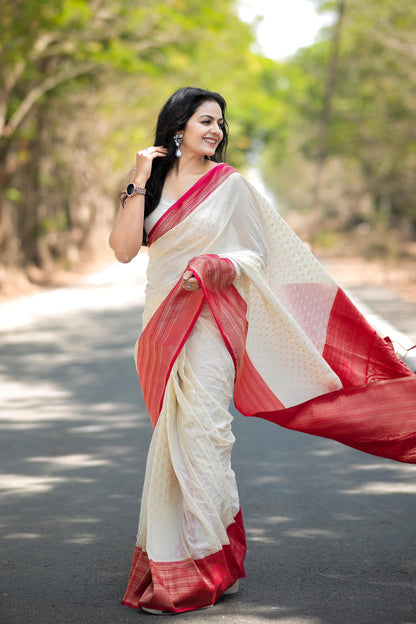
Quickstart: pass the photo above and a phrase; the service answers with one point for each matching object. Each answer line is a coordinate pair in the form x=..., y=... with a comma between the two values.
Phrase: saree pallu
x=271, y=322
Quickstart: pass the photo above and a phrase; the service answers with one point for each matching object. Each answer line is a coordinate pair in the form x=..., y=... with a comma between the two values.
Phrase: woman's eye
x=208, y=122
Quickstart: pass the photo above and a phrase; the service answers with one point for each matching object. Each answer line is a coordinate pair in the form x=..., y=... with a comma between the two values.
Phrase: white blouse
x=162, y=207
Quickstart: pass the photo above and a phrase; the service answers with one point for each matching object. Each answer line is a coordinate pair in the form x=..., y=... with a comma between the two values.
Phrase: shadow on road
x=330, y=530
x=74, y=438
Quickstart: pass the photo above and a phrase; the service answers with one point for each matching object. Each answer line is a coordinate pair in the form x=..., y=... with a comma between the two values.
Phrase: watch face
x=130, y=189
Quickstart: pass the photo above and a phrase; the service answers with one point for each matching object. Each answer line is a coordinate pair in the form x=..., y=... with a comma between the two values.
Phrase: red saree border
x=186, y=204
x=355, y=351
x=251, y=392
x=179, y=586
x=161, y=342
x=376, y=418
x=374, y=411
x=167, y=331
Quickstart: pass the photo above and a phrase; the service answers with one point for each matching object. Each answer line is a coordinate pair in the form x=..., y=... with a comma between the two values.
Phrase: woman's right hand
x=144, y=161
x=127, y=233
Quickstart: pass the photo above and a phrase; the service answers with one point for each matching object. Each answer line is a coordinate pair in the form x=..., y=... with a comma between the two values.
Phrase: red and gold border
x=187, y=585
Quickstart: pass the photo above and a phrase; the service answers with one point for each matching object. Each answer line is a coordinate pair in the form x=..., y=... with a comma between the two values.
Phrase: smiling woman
x=204, y=129
x=235, y=304
x=200, y=138
x=192, y=122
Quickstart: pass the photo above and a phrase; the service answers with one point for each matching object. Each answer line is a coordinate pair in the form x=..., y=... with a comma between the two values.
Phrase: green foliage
x=369, y=134
x=81, y=82
x=12, y=194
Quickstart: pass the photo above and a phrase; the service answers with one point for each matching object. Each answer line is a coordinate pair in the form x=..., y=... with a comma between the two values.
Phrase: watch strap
x=132, y=190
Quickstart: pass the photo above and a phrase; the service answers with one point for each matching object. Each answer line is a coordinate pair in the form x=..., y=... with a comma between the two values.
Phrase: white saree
x=269, y=324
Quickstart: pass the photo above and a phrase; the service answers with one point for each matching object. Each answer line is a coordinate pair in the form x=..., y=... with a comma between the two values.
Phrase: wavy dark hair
x=172, y=119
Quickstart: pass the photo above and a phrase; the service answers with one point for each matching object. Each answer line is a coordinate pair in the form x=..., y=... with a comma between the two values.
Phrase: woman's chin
x=209, y=153
x=208, y=147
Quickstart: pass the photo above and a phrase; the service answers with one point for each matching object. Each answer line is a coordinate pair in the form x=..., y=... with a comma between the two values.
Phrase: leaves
x=370, y=131
x=82, y=82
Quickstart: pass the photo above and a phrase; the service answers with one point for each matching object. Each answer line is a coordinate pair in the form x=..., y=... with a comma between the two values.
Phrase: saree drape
x=270, y=325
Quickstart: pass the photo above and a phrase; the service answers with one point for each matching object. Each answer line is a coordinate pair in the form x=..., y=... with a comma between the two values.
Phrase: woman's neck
x=183, y=175
x=191, y=166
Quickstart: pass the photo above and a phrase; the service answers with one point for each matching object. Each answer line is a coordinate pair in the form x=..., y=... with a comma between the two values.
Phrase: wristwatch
x=133, y=190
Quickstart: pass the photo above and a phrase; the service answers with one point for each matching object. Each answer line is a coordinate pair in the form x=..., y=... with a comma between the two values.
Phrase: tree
x=330, y=87
x=361, y=125
x=80, y=82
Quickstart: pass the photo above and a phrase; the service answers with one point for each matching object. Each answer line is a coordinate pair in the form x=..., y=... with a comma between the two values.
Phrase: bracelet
x=133, y=190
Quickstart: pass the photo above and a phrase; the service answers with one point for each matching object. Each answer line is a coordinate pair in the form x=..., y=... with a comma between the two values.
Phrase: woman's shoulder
x=235, y=178
x=237, y=184
x=223, y=175
x=242, y=191
x=229, y=172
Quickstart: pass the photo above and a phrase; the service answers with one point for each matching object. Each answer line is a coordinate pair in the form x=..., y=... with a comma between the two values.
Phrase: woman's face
x=203, y=132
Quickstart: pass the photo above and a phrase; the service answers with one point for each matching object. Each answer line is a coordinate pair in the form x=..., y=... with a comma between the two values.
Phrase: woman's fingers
x=189, y=282
x=154, y=150
x=144, y=160
x=149, y=153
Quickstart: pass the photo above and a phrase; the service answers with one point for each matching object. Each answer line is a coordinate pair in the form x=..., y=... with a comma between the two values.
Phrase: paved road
x=331, y=531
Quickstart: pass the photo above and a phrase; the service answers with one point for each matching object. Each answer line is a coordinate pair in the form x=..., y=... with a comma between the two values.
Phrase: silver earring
x=178, y=138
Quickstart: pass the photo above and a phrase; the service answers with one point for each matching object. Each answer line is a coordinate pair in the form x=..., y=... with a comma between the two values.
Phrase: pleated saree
x=268, y=327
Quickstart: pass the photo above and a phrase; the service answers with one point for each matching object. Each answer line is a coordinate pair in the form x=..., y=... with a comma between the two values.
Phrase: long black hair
x=172, y=119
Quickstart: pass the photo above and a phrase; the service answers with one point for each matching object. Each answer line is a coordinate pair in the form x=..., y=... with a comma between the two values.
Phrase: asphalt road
x=331, y=531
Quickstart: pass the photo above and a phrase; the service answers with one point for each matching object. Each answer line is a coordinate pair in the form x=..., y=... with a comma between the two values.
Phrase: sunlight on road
x=312, y=533
x=26, y=484
x=70, y=462
x=126, y=282
x=380, y=487
x=259, y=535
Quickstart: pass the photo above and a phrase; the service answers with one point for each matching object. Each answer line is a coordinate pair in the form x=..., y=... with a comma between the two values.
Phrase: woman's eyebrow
x=211, y=117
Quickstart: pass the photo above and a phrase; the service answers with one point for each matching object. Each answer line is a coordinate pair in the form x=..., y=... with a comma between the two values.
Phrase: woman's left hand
x=189, y=282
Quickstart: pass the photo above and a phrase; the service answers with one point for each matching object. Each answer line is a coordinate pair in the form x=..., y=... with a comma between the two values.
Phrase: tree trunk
x=327, y=103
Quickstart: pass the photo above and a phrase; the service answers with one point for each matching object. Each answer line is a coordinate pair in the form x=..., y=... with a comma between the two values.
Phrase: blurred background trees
x=81, y=82
x=350, y=136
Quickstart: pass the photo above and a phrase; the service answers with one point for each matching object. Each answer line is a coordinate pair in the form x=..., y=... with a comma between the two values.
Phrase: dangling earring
x=178, y=138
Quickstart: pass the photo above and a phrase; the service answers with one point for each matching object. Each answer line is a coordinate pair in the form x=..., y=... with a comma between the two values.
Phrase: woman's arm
x=127, y=234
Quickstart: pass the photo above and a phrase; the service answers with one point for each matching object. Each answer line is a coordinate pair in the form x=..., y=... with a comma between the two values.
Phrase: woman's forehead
x=209, y=107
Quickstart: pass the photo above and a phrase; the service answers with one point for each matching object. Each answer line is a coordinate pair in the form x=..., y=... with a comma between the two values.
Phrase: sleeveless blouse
x=151, y=220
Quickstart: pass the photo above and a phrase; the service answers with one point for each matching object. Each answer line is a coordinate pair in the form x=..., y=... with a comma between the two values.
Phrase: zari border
x=170, y=326
x=161, y=342
x=355, y=351
x=376, y=418
x=179, y=586
x=375, y=410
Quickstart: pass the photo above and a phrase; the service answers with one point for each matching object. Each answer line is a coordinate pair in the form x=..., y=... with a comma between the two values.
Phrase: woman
x=234, y=304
